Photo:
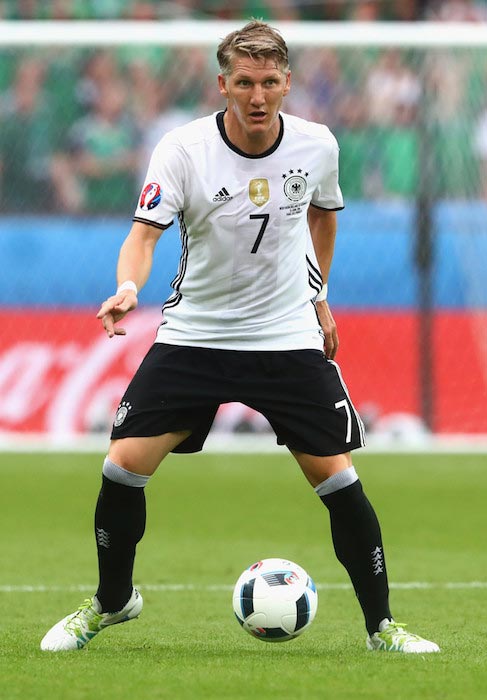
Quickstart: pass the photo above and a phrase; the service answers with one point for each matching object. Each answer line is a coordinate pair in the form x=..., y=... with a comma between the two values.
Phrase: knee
x=317, y=469
x=120, y=475
x=142, y=455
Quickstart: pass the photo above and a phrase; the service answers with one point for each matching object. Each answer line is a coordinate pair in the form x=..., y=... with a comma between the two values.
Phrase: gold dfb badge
x=259, y=191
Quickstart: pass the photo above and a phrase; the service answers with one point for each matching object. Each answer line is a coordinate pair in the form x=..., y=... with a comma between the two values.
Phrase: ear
x=288, y=83
x=222, y=85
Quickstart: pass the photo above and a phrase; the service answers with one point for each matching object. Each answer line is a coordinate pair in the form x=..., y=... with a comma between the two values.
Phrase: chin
x=259, y=127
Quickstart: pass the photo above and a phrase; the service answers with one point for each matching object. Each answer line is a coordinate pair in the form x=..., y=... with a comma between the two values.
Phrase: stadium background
x=408, y=286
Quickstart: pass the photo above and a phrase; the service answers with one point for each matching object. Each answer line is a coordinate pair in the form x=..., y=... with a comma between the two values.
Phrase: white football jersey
x=246, y=276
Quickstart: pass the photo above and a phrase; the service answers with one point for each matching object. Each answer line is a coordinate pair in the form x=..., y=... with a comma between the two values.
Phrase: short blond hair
x=258, y=40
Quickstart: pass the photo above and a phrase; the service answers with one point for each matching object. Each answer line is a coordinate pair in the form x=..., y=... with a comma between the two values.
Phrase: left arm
x=323, y=226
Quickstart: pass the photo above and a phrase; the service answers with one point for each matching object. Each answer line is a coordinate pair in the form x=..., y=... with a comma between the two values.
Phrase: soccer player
x=247, y=321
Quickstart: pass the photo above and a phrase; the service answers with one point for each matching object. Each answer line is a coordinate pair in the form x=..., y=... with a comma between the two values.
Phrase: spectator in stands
x=406, y=10
x=321, y=86
x=22, y=9
x=99, y=71
x=144, y=10
x=62, y=9
x=222, y=9
x=101, y=172
x=399, y=152
x=153, y=108
x=315, y=10
x=144, y=89
x=390, y=86
x=369, y=11
x=357, y=164
x=99, y=9
x=389, y=152
x=456, y=11
x=272, y=9
x=185, y=76
x=447, y=80
x=26, y=136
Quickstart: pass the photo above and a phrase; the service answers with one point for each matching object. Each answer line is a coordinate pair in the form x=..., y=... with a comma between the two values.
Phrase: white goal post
x=209, y=33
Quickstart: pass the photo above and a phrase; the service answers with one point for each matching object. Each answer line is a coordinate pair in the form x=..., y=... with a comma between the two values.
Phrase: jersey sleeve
x=162, y=195
x=328, y=194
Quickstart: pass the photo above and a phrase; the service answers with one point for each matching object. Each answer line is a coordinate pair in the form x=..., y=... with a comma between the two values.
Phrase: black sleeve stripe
x=163, y=227
x=326, y=208
x=317, y=280
x=313, y=285
x=313, y=269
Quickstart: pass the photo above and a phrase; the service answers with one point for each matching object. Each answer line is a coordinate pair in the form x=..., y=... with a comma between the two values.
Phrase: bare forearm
x=136, y=254
x=134, y=264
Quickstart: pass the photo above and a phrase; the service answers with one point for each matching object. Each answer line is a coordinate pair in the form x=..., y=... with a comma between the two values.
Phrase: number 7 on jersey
x=260, y=235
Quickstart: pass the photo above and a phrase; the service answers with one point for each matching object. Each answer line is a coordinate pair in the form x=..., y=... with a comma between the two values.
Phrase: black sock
x=358, y=545
x=119, y=526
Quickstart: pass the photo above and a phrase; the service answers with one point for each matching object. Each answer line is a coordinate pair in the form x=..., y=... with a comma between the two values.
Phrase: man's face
x=254, y=92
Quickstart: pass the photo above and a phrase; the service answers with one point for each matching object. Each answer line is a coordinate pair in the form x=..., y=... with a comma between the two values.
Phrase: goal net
x=82, y=106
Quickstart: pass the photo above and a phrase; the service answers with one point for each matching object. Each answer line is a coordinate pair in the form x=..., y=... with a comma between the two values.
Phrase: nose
x=257, y=97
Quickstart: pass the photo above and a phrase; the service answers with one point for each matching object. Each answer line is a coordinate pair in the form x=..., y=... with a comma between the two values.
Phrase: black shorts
x=300, y=392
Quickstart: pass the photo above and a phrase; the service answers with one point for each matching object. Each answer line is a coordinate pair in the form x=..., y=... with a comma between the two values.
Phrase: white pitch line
x=210, y=588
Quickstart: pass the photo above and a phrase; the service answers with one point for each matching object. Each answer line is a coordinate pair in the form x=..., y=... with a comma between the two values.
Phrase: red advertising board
x=61, y=375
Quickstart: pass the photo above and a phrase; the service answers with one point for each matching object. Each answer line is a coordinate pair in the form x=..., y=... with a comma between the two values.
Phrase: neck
x=253, y=144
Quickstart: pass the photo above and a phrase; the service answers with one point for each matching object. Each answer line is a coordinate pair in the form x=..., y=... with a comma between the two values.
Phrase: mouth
x=257, y=116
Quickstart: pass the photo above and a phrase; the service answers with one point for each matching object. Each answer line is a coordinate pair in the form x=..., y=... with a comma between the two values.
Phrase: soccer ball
x=275, y=600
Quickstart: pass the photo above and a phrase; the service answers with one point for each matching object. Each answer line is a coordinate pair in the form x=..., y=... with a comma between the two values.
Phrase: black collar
x=221, y=128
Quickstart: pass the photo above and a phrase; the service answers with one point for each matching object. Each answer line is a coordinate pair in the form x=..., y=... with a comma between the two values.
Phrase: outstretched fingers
x=114, y=309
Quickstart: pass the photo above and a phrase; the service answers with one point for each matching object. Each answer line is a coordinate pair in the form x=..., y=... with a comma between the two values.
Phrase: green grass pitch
x=210, y=516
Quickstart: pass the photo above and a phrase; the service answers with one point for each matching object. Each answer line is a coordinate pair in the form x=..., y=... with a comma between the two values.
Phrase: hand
x=329, y=327
x=114, y=309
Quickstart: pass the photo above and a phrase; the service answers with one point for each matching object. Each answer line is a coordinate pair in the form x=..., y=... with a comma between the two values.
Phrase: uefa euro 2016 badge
x=151, y=196
x=295, y=184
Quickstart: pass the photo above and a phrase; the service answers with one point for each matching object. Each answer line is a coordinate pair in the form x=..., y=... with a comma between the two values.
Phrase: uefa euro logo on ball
x=275, y=600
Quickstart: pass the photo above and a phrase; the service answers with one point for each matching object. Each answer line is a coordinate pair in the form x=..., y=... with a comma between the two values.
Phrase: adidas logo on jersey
x=222, y=196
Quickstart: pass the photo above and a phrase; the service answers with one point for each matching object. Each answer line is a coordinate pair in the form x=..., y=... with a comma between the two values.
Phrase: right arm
x=137, y=251
x=134, y=263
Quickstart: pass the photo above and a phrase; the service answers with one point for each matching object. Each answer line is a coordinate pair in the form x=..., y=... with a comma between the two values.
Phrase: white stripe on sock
x=337, y=481
x=122, y=476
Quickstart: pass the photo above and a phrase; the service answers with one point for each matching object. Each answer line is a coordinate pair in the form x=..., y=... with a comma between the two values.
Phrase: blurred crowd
x=329, y=10
x=77, y=125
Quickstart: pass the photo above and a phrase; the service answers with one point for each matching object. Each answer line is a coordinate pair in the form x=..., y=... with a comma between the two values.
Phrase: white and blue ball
x=275, y=600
